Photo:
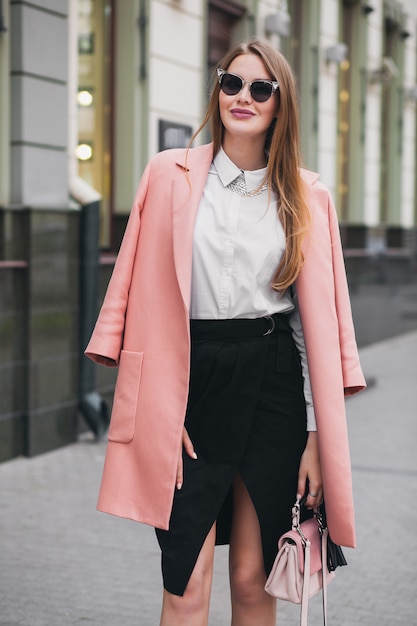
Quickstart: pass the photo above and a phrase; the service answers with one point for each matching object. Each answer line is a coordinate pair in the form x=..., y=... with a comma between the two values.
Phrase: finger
x=180, y=476
x=188, y=444
x=314, y=497
x=301, y=485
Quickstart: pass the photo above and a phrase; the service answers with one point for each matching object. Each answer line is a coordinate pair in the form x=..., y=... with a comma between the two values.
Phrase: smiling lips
x=242, y=114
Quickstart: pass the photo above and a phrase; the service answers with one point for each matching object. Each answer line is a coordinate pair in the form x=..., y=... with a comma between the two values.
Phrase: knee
x=247, y=585
x=195, y=599
x=183, y=607
x=197, y=592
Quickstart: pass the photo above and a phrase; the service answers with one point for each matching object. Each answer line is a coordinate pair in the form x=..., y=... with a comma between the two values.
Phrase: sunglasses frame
x=273, y=83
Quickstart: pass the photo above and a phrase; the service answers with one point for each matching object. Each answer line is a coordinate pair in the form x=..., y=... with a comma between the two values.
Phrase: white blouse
x=238, y=243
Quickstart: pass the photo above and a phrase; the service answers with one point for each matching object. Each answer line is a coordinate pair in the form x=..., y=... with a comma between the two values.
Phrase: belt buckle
x=272, y=328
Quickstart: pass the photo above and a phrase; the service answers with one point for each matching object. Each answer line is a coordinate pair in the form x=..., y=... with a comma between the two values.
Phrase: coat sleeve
x=106, y=341
x=353, y=378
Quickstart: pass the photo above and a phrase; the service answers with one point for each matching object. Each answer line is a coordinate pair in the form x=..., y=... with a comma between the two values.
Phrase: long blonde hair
x=283, y=146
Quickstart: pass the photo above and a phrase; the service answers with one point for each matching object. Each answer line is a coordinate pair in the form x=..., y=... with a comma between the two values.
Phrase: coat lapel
x=187, y=189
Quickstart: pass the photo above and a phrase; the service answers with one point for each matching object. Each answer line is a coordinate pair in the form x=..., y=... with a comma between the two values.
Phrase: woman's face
x=241, y=115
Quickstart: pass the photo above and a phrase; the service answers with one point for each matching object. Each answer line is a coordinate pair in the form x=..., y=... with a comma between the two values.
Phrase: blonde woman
x=229, y=318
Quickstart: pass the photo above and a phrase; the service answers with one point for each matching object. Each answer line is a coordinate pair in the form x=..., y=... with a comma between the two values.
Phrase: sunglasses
x=232, y=84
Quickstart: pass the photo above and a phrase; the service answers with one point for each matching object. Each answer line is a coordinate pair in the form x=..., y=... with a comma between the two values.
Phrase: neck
x=245, y=154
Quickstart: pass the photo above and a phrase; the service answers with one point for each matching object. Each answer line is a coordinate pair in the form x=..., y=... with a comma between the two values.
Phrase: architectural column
x=39, y=67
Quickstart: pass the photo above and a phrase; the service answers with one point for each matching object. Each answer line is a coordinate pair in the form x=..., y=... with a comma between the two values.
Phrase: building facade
x=91, y=89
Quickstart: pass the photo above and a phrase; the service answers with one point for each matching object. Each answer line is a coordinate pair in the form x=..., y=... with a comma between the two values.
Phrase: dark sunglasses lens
x=261, y=90
x=230, y=84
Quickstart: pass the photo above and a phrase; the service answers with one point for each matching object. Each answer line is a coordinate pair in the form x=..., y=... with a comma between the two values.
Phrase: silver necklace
x=239, y=186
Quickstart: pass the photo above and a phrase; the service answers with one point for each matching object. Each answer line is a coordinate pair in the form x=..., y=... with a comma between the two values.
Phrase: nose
x=245, y=93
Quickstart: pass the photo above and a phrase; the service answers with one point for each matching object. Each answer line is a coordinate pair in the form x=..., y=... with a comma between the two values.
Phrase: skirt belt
x=239, y=328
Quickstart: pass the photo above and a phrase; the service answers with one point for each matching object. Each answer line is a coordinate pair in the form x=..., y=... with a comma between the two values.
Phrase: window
x=291, y=46
x=391, y=116
x=94, y=149
x=302, y=51
x=352, y=101
x=344, y=121
x=223, y=16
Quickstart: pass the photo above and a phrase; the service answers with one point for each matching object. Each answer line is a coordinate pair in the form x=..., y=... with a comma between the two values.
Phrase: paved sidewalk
x=62, y=563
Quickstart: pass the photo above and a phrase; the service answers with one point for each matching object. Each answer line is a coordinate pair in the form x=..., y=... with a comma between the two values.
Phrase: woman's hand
x=187, y=444
x=309, y=473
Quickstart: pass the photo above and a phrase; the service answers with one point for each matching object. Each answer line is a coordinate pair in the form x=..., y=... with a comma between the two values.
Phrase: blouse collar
x=227, y=171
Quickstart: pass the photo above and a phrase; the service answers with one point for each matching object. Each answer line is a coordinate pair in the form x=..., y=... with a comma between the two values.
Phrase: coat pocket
x=123, y=417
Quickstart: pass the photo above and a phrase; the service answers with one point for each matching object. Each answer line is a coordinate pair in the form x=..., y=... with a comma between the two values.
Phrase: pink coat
x=143, y=328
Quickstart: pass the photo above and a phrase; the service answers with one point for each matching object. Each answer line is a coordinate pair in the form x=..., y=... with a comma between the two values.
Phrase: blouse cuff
x=311, y=419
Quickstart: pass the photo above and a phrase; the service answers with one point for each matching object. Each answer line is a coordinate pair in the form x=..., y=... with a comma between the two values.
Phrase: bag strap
x=324, y=535
x=306, y=578
x=306, y=585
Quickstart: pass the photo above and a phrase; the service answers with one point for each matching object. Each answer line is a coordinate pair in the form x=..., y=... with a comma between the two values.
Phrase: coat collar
x=187, y=190
x=194, y=157
x=308, y=176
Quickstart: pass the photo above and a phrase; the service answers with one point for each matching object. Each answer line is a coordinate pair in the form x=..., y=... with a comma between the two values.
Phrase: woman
x=230, y=274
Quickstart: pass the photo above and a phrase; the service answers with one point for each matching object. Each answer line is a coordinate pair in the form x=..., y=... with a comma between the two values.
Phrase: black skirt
x=246, y=414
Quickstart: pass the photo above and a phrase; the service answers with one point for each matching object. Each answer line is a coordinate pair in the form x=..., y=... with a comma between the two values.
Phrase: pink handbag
x=297, y=573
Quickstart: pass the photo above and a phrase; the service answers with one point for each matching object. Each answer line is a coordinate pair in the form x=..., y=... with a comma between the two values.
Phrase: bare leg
x=192, y=608
x=251, y=605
